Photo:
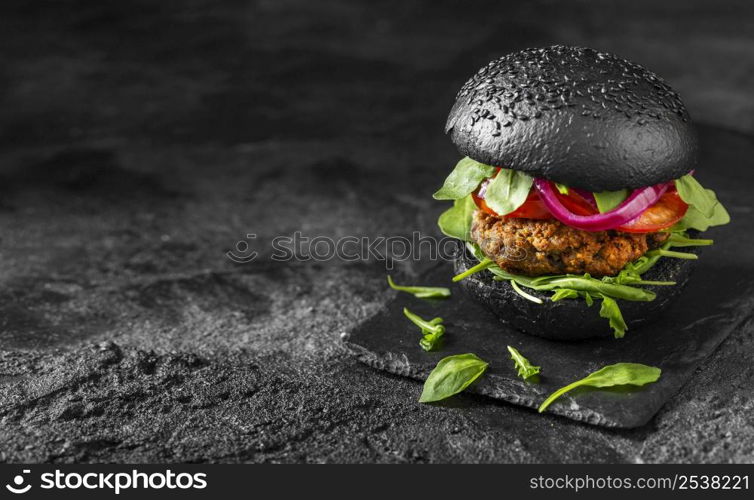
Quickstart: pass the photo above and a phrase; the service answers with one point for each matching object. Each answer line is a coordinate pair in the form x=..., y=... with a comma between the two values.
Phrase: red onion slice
x=587, y=195
x=638, y=201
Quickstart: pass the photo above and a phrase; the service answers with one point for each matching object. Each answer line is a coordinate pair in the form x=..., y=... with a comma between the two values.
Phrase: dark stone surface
x=139, y=141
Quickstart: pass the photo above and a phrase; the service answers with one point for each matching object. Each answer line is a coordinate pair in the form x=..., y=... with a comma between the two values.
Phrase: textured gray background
x=140, y=140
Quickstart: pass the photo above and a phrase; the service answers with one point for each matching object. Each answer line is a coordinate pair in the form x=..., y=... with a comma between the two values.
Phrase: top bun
x=577, y=116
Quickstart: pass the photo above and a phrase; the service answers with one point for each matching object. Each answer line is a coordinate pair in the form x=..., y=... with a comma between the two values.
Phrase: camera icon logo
x=18, y=481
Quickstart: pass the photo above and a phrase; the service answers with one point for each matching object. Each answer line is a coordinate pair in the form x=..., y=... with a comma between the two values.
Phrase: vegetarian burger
x=577, y=190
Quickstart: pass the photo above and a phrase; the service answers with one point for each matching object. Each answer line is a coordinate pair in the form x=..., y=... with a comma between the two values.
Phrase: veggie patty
x=538, y=247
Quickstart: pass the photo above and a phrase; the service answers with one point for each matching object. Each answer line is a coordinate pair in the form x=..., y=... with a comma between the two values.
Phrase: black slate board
x=717, y=299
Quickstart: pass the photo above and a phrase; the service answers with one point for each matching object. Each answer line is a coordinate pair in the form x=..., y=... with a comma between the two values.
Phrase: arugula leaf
x=670, y=253
x=694, y=219
x=452, y=375
x=627, y=278
x=704, y=210
x=636, y=268
x=421, y=292
x=464, y=179
x=432, y=330
x=507, y=191
x=682, y=240
x=610, y=376
x=694, y=194
x=564, y=293
x=456, y=221
x=631, y=273
x=594, y=286
x=486, y=263
x=524, y=367
x=610, y=311
x=525, y=295
x=568, y=286
x=584, y=283
x=608, y=200
x=562, y=188
x=432, y=326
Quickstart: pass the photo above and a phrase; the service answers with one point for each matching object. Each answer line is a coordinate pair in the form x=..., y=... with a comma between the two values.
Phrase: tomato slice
x=668, y=210
x=576, y=204
x=534, y=208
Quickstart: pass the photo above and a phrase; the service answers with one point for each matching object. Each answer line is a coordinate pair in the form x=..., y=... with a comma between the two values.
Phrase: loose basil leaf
x=507, y=191
x=562, y=188
x=452, y=375
x=608, y=200
x=524, y=367
x=421, y=292
x=456, y=221
x=695, y=219
x=464, y=179
x=432, y=330
x=694, y=194
x=610, y=376
x=610, y=311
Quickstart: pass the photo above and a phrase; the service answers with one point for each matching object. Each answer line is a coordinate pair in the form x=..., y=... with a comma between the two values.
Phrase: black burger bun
x=577, y=116
x=570, y=319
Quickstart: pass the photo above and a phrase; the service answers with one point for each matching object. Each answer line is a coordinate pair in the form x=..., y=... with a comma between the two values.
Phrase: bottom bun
x=571, y=319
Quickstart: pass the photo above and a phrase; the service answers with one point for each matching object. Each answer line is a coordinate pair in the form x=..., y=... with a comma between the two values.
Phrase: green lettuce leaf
x=704, y=211
x=695, y=219
x=456, y=221
x=690, y=191
x=507, y=191
x=464, y=179
x=608, y=200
